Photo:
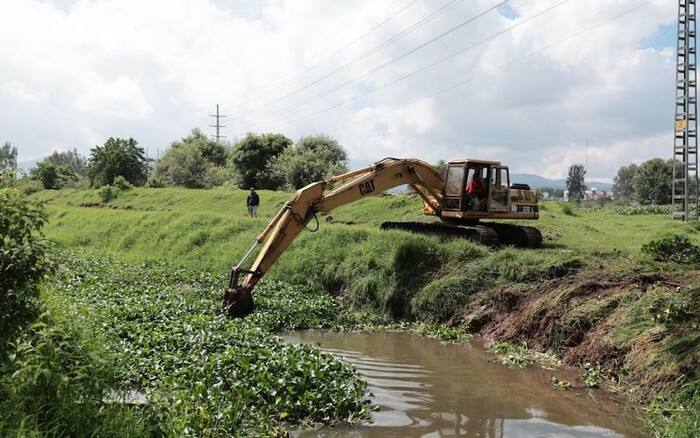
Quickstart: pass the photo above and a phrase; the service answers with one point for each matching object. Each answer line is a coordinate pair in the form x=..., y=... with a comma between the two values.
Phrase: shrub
x=673, y=249
x=567, y=209
x=107, y=193
x=24, y=261
x=122, y=184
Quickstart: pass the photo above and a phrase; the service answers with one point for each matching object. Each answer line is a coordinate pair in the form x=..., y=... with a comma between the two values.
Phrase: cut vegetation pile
x=601, y=293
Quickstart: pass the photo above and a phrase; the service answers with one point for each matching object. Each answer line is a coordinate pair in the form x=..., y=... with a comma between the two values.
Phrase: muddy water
x=425, y=388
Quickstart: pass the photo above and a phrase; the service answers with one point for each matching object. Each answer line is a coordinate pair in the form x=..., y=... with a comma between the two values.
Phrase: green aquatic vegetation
x=561, y=383
x=165, y=336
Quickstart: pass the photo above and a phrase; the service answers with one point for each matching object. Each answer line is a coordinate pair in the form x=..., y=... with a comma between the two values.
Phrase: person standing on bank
x=252, y=202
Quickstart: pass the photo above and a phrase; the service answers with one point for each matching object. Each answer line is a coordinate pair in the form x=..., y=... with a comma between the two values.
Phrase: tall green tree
x=8, y=157
x=72, y=160
x=652, y=182
x=252, y=156
x=623, y=185
x=575, y=182
x=194, y=162
x=118, y=157
x=51, y=175
x=311, y=159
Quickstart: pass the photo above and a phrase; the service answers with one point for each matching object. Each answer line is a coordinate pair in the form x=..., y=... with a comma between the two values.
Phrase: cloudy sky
x=536, y=84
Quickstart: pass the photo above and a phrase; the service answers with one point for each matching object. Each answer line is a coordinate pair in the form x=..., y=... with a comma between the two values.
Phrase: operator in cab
x=475, y=189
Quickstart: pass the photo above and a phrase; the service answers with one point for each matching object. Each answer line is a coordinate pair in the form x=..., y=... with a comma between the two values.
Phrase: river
x=426, y=388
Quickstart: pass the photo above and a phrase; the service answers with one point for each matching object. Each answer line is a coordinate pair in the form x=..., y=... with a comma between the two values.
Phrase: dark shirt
x=253, y=199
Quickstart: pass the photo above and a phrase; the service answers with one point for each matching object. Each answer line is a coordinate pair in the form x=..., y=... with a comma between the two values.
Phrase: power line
x=337, y=51
x=374, y=70
x=502, y=66
x=375, y=49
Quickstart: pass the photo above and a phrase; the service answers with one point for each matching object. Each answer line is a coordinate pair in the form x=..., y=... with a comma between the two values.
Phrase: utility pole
x=218, y=116
x=684, y=195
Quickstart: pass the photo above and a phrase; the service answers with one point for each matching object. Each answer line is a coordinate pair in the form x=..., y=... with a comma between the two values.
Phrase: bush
x=107, y=193
x=122, y=184
x=673, y=249
x=24, y=261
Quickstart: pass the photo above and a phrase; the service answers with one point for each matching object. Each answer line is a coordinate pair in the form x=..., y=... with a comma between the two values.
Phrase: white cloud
x=120, y=98
x=21, y=92
x=529, y=97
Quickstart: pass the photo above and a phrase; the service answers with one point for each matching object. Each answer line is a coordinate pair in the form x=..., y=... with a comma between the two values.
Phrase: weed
x=673, y=249
x=564, y=385
x=593, y=375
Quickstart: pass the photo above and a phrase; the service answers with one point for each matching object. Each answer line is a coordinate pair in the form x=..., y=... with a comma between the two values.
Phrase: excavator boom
x=294, y=216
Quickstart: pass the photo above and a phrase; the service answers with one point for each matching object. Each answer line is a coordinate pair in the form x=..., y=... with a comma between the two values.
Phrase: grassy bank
x=590, y=295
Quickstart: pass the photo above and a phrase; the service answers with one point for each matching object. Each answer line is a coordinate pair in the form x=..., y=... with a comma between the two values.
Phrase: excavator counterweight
x=468, y=191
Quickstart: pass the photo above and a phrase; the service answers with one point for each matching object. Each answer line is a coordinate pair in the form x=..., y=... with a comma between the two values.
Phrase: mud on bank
x=641, y=328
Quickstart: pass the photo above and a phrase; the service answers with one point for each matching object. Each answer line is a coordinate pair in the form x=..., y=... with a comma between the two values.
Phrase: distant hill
x=535, y=181
x=27, y=165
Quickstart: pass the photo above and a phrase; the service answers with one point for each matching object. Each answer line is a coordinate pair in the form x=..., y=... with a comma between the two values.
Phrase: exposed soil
x=573, y=317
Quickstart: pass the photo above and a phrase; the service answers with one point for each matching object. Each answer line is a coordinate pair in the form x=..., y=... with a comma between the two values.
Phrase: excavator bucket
x=238, y=301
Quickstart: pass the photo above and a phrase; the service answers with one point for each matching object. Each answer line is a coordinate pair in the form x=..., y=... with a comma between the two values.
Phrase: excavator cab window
x=500, y=181
x=454, y=182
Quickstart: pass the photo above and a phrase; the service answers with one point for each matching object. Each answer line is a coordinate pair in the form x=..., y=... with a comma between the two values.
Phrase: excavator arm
x=315, y=198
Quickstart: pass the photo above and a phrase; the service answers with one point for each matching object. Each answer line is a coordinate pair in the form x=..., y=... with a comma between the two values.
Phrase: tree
x=71, y=159
x=441, y=166
x=623, y=185
x=192, y=162
x=652, y=182
x=51, y=175
x=313, y=158
x=251, y=158
x=8, y=157
x=117, y=157
x=574, y=182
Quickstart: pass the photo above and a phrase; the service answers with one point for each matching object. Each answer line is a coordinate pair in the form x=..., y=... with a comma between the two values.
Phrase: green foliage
x=122, y=184
x=593, y=375
x=162, y=330
x=631, y=210
x=71, y=160
x=24, y=261
x=252, y=156
x=311, y=159
x=574, y=182
x=194, y=162
x=568, y=209
x=671, y=309
x=58, y=388
x=442, y=298
x=623, y=186
x=653, y=180
x=562, y=384
x=8, y=157
x=673, y=249
x=108, y=193
x=117, y=157
x=53, y=176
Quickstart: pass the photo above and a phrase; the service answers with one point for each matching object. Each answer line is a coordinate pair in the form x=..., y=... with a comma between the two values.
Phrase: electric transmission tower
x=684, y=204
x=218, y=116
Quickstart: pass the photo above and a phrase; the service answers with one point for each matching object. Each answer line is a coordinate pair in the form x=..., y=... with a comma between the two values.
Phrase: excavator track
x=485, y=233
x=516, y=235
x=477, y=233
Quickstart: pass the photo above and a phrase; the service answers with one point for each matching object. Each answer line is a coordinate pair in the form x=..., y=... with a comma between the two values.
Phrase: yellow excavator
x=469, y=190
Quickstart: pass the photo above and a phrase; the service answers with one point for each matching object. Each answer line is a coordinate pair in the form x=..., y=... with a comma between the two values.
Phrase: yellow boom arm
x=314, y=198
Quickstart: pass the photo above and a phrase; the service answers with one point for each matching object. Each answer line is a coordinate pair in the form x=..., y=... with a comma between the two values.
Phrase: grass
x=590, y=294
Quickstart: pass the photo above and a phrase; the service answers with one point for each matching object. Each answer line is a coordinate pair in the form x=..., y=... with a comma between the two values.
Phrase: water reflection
x=425, y=388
